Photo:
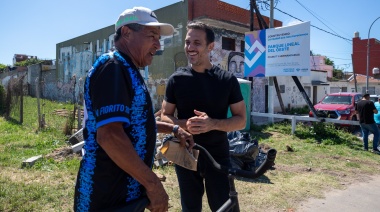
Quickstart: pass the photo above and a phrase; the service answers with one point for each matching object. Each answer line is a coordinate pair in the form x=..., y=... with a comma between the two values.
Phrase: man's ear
x=211, y=46
x=125, y=31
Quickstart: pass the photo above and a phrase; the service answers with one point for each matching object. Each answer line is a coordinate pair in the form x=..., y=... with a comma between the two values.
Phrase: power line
x=313, y=14
x=338, y=58
x=313, y=25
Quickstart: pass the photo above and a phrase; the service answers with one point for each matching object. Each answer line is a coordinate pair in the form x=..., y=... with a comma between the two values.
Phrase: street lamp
x=368, y=53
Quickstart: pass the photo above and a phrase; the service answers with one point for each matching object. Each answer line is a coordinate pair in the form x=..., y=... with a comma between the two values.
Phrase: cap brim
x=166, y=29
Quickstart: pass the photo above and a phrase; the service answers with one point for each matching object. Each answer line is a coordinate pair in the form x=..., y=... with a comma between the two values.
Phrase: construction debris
x=30, y=161
x=77, y=147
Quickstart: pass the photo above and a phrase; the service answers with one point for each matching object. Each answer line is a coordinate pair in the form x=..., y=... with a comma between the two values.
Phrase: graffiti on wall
x=233, y=61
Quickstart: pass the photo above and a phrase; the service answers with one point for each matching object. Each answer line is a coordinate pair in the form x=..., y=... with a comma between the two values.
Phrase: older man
x=120, y=128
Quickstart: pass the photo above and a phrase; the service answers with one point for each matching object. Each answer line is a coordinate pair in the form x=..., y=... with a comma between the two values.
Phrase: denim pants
x=193, y=183
x=366, y=128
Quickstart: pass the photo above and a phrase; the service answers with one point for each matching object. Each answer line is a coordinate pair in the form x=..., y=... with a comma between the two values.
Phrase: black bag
x=245, y=152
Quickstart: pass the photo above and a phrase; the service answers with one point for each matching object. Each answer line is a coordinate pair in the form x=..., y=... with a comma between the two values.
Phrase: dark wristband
x=175, y=129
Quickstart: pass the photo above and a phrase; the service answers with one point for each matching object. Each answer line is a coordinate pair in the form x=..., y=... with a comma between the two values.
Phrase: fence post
x=21, y=100
x=38, y=102
x=294, y=124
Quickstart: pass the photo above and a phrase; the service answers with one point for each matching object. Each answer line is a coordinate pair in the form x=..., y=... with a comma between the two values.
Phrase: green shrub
x=298, y=110
x=325, y=133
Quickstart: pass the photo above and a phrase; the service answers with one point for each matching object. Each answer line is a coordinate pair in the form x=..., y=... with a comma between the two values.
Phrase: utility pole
x=274, y=79
x=251, y=15
x=271, y=25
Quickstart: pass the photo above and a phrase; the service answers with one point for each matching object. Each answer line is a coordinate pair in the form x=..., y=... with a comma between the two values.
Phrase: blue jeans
x=193, y=183
x=366, y=128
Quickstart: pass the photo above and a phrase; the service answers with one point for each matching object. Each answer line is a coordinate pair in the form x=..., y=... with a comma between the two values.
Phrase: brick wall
x=219, y=10
x=360, y=55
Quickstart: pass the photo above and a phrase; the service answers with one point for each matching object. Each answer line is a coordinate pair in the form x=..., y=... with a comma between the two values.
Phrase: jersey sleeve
x=110, y=94
x=236, y=95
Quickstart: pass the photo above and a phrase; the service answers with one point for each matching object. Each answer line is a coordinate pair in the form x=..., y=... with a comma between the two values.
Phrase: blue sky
x=34, y=27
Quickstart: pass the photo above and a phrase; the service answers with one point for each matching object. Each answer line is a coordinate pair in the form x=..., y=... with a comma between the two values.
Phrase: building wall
x=172, y=55
x=319, y=63
x=76, y=56
x=349, y=85
x=224, y=12
x=359, y=56
x=292, y=97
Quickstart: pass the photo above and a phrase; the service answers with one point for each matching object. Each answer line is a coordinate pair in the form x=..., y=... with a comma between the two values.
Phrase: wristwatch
x=175, y=129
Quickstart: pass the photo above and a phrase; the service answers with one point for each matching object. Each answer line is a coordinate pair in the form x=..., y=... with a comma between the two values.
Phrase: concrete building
x=75, y=56
x=316, y=85
x=359, y=58
x=361, y=81
x=319, y=63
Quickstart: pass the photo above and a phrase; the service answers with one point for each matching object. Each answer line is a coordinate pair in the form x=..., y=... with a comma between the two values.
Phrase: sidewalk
x=358, y=197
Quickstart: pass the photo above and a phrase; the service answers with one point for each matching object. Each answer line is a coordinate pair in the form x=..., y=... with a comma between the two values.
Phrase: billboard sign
x=282, y=51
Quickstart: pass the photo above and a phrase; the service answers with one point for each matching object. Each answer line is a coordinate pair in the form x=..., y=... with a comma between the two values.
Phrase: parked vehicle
x=338, y=105
x=373, y=98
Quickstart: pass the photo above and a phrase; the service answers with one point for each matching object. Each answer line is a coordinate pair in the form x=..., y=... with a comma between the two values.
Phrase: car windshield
x=373, y=98
x=345, y=100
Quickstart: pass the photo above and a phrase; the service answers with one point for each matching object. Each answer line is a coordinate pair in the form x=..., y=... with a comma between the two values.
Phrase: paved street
x=358, y=197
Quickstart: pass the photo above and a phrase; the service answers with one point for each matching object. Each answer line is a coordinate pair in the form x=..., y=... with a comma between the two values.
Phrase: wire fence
x=36, y=92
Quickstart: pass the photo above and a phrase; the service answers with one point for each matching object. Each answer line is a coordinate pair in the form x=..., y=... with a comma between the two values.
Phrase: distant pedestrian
x=366, y=110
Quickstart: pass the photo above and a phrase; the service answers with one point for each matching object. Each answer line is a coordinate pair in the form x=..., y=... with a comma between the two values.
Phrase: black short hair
x=210, y=35
x=133, y=27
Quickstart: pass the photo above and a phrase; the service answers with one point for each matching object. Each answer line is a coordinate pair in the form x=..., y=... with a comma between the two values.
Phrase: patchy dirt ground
x=62, y=153
x=295, y=203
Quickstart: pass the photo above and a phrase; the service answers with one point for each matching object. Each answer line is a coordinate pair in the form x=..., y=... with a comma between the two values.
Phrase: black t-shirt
x=365, y=108
x=114, y=91
x=211, y=92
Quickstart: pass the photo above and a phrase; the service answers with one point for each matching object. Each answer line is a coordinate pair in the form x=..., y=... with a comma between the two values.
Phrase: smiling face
x=197, y=50
x=141, y=45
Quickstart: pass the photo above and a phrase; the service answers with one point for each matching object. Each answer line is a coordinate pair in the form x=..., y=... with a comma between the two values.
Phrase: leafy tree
x=337, y=73
x=28, y=62
x=329, y=62
x=2, y=68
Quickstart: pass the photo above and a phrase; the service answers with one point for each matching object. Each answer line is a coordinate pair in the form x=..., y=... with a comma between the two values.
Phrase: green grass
x=48, y=185
x=323, y=158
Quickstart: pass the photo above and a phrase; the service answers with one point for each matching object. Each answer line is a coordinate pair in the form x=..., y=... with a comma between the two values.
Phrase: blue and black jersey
x=114, y=91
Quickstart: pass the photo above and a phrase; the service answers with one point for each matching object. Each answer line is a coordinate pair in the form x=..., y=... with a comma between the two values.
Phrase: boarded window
x=228, y=44
x=334, y=89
